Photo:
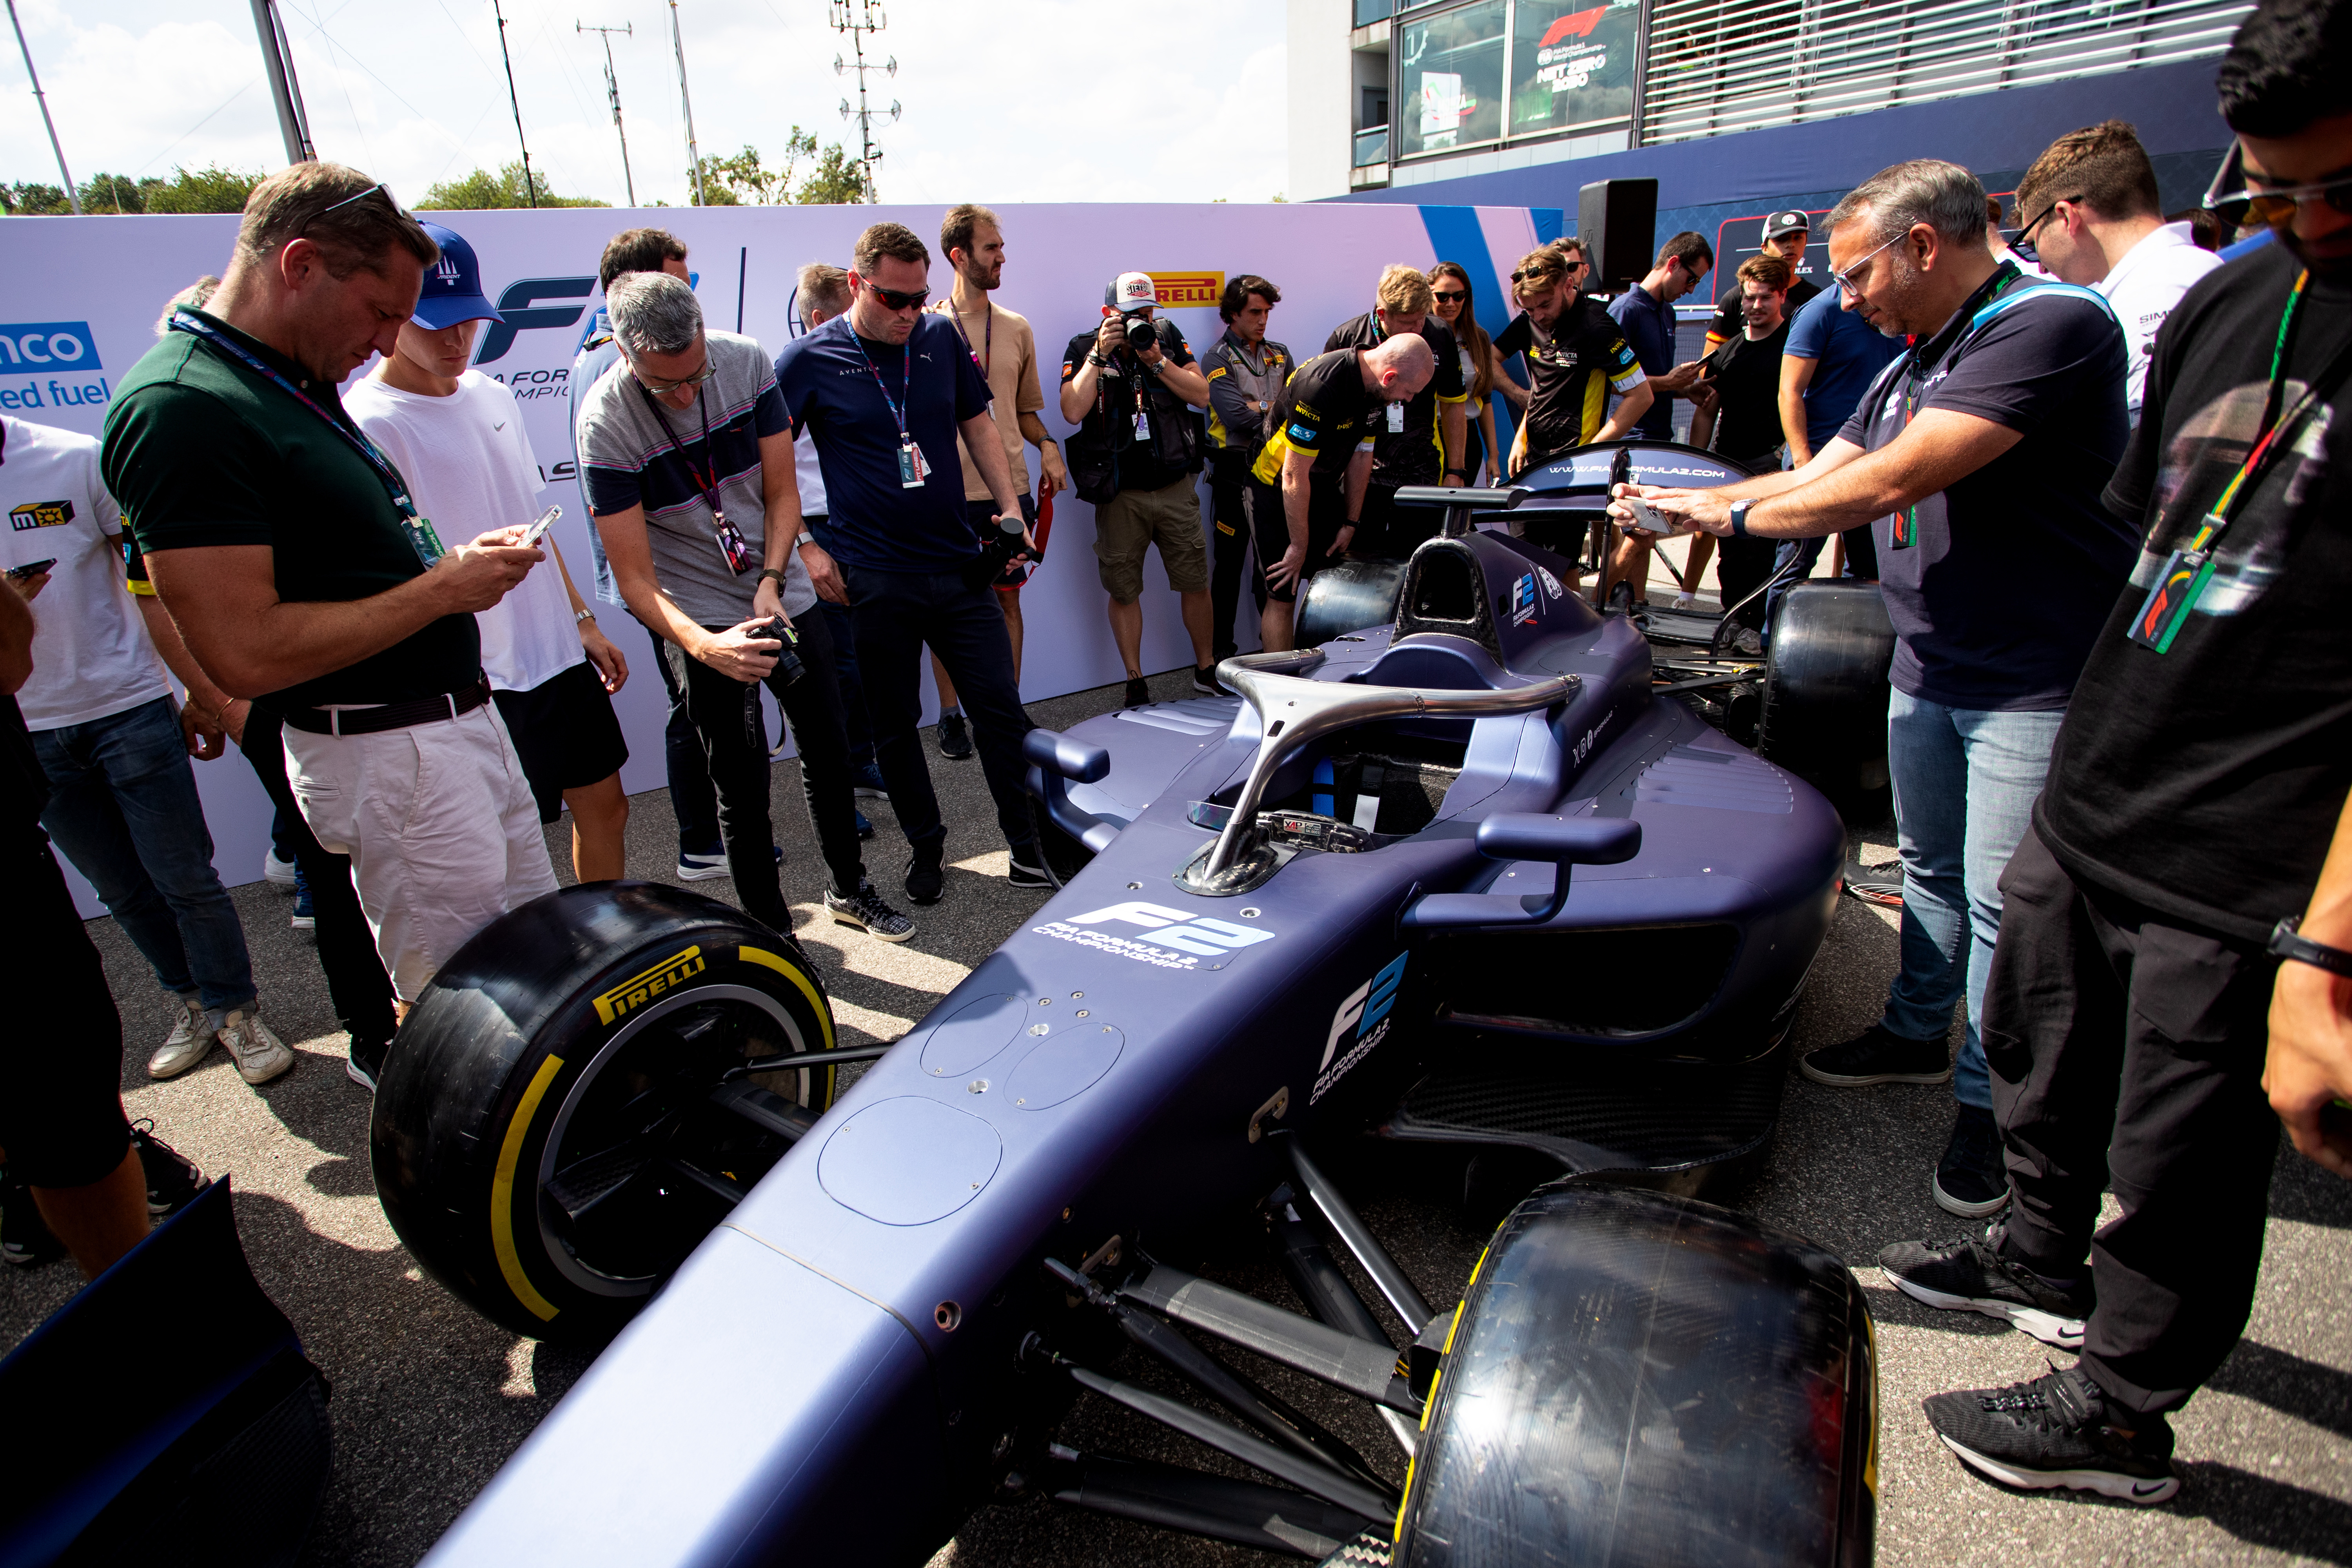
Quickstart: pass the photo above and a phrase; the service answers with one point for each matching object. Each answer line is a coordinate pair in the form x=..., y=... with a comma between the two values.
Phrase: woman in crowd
x=1452, y=287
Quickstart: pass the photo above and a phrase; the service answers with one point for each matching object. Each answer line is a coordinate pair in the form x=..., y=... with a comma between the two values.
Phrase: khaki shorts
x=1133, y=520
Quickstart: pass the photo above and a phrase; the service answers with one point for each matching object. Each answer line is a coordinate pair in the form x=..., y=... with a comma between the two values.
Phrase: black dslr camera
x=1141, y=335
x=789, y=668
x=996, y=554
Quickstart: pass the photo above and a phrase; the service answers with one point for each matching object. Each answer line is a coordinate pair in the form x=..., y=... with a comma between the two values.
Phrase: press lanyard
x=1395, y=411
x=733, y=548
x=910, y=456
x=2186, y=572
x=421, y=537
x=1904, y=534
x=986, y=355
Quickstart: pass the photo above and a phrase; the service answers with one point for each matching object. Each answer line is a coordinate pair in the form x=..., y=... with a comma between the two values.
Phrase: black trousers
x=2126, y=1049
x=896, y=614
x=61, y=1119
x=356, y=982
x=1742, y=565
x=1387, y=531
x=1231, y=494
x=732, y=729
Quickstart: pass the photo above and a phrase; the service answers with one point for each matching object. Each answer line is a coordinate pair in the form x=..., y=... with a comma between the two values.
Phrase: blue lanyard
x=906, y=374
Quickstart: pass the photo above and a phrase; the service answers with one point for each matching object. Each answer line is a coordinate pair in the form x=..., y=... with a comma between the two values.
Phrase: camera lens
x=1139, y=335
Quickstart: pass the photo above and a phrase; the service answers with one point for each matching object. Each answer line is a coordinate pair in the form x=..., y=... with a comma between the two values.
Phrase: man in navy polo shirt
x=884, y=391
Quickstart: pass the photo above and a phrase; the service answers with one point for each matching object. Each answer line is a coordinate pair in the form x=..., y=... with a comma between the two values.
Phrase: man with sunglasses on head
x=2093, y=217
x=1983, y=445
x=291, y=555
x=2175, y=970
x=886, y=390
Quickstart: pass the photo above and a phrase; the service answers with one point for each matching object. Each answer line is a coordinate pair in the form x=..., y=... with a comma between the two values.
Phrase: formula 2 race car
x=1463, y=878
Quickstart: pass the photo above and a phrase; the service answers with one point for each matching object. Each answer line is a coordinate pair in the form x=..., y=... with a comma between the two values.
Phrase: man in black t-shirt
x=1739, y=416
x=1419, y=442
x=1575, y=354
x=1327, y=409
x=1785, y=234
x=2197, y=800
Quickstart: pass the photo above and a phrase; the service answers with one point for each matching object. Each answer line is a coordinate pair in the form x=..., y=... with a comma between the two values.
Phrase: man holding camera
x=1130, y=389
x=1406, y=448
x=687, y=453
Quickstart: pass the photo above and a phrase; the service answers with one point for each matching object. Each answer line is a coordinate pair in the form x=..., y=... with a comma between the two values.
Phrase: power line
x=529, y=188
x=613, y=90
x=72, y=195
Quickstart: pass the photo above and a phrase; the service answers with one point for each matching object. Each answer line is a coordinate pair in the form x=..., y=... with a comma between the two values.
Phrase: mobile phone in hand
x=546, y=520
x=30, y=570
x=1647, y=517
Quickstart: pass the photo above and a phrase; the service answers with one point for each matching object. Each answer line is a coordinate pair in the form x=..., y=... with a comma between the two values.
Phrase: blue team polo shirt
x=1847, y=355
x=1649, y=327
x=828, y=378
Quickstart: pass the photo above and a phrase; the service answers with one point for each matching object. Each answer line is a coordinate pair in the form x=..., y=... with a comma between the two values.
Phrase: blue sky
x=1029, y=100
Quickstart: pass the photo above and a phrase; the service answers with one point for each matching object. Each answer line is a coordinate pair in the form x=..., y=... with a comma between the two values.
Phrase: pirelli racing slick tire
x=1639, y=1379
x=558, y=1124
x=1825, y=686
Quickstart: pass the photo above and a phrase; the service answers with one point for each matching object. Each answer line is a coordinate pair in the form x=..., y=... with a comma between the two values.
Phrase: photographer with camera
x=1245, y=373
x=687, y=453
x=1130, y=389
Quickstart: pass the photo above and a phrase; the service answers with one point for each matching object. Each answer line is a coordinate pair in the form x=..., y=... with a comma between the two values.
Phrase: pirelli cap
x=452, y=285
x=1789, y=222
x=1131, y=291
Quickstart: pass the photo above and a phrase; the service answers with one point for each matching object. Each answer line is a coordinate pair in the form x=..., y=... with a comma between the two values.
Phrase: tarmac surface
x=430, y=1399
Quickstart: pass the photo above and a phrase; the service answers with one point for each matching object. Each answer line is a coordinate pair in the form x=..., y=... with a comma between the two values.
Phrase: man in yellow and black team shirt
x=1330, y=403
x=1420, y=442
x=1575, y=354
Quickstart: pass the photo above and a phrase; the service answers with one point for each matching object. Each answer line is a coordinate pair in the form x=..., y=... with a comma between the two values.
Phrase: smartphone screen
x=546, y=520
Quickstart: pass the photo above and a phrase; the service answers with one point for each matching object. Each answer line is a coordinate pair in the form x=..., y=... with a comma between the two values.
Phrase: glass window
x=1572, y=63
x=1450, y=76
x=1372, y=146
x=1370, y=11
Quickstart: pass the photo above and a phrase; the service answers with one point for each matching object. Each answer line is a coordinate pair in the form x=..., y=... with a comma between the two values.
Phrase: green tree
x=744, y=180
x=33, y=199
x=482, y=191
x=113, y=193
x=837, y=179
x=211, y=189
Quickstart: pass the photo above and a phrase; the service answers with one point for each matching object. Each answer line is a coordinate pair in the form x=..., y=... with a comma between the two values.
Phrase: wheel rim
x=626, y=1187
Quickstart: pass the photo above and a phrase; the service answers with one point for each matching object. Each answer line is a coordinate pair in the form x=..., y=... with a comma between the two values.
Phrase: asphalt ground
x=429, y=1399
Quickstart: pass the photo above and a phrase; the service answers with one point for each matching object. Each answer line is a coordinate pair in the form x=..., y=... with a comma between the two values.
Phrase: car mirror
x=1564, y=841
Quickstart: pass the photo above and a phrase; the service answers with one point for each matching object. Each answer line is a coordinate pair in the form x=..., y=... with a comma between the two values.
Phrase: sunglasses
x=2277, y=206
x=376, y=189
x=1449, y=297
x=663, y=388
x=2022, y=245
x=898, y=299
x=1844, y=281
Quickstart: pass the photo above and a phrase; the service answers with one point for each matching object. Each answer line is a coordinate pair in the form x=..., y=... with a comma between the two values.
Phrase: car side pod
x=1637, y=1378
x=1057, y=762
x=1564, y=841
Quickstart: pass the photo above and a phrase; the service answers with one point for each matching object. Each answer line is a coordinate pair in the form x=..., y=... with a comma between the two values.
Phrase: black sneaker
x=1022, y=874
x=25, y=1237
x=1878, y=1056
x=365, y=1062
x=2056, y=1431
x=172, y=1179
x=1205, y=681
x=955, y=740
x=925, y=879
x=1971, y=1274
x=1969, y=1180
x=865, y=911
x=1139, y=695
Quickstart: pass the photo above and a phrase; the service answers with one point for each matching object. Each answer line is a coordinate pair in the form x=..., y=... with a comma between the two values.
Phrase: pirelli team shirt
x=1415, y=455
x=1326, y=410
x=1572, y=367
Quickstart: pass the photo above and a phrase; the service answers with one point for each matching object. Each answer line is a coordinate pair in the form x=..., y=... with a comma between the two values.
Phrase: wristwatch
x=1094, y=358
x=583, y=615
x=775, y=572
x=2285, y=942
x=1458, y=473
x=805, y=540
x=1739, y=509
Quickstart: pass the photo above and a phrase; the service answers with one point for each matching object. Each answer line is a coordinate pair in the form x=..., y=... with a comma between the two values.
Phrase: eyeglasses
x=898, y=299
x=2277, y=206
x=663, y=388
x=1448, y=297
x=2024, y=247
x=1844, y=281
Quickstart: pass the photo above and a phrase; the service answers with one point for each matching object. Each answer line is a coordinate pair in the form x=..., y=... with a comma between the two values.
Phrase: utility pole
x=693, y=152
x=612, y=90
x=72, y=195
x=530, y=185
x=866, y=17
x=278, y=55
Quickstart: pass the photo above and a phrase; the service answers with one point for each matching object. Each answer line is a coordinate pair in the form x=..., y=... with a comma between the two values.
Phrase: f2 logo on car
x=1174, y=928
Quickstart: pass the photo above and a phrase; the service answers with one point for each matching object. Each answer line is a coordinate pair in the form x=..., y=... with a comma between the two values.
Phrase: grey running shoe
x=955, y=738
x=866, y=910
x=260, y=1054
x=2056, y=1431
x=189, y=1042
x=1972, y=1275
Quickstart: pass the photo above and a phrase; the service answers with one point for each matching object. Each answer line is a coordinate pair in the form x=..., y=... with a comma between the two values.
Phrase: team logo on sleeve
x=1300, y=433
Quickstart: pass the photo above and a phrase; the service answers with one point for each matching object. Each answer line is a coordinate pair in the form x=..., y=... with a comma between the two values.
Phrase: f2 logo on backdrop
x=519, y=304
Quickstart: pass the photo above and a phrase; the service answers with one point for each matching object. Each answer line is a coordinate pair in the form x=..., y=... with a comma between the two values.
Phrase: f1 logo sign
x=519, y=305
x=1165, y=927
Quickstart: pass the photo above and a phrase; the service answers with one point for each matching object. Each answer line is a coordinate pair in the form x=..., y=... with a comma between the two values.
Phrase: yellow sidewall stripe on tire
x=502, y=1241
x=791, y=971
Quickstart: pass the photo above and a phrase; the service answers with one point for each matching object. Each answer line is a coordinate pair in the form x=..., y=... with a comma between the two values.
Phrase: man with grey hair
x=687, y=453
x=1985, y=445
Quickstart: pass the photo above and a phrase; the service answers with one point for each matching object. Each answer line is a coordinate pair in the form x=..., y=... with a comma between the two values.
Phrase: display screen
x=1572, y=64
x=1450, y=72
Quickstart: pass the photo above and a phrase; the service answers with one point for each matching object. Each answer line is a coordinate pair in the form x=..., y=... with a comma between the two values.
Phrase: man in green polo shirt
x=287, y=552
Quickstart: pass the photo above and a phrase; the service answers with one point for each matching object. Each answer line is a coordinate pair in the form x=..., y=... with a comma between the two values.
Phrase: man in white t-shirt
x=115, y=746
x=2092, y=216
x=458, y=438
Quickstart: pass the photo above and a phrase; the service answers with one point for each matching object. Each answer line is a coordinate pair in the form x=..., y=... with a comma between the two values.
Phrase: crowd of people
x=2090, y=466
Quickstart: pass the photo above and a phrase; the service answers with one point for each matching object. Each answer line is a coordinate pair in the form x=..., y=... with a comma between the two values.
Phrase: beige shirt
x=1006, y=352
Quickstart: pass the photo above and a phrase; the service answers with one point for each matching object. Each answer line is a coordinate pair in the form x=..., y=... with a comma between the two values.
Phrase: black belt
x=392, y=716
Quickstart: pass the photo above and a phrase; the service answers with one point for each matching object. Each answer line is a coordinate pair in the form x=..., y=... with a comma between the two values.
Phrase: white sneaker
x=1748, y=642
x=190, y=1040
x=273, y=869
x=1686, y=601
x=260, y=1054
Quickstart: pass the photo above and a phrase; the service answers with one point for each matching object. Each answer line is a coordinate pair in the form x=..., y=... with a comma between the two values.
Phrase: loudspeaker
x=1617, y=220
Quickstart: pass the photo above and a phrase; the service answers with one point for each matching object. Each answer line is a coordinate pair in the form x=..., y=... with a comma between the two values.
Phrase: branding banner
x=83, y=296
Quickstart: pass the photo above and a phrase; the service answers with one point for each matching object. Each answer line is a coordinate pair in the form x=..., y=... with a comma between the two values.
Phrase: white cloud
x=1037, y=100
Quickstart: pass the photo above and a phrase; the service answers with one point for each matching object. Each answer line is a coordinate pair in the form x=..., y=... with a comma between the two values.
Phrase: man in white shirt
x=2092, y=216
x=457, y=437
x=115, y=746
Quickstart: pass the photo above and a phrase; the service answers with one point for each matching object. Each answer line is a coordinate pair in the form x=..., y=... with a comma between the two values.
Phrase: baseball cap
x=1790, y=222
x=1131, y=291
x=452, y=285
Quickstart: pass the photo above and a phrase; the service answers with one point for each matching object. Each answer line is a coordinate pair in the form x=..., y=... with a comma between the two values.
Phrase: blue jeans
x=1965, y=783
x=123, y=807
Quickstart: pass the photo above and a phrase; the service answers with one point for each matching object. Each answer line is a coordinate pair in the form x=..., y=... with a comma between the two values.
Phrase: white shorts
x=441, y=827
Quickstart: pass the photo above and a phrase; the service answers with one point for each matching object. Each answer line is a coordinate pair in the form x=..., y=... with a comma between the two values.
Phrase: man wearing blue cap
x=458, y=437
